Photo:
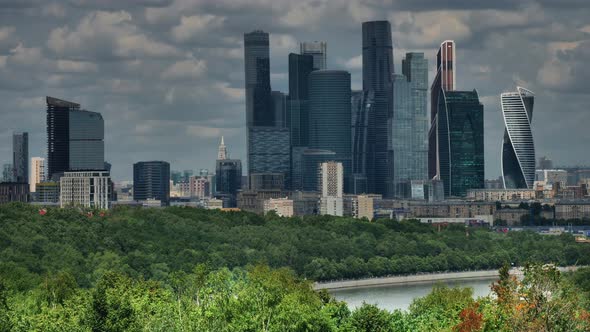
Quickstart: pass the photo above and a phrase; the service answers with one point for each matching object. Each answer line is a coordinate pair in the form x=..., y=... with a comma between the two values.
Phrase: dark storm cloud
x=168, y=74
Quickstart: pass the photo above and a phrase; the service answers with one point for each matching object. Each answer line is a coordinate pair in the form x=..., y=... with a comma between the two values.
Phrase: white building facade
x=89, y=189
x=331, y=188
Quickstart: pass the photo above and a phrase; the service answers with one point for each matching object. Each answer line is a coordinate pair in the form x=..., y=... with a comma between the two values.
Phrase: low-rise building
x=14, y=192
x=500, y=195
x=305, y=203
x=572, y=210
x=47, y=192
x=253, y=201
x=214, y=204
x=483, y=220
x=511, y=216
x=451, y=209
x=282, y=206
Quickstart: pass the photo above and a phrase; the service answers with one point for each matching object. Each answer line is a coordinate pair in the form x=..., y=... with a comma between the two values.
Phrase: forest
x=151, y=244
x=186, y=269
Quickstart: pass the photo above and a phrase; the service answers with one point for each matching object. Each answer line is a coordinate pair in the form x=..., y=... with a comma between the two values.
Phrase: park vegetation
x=184, y=269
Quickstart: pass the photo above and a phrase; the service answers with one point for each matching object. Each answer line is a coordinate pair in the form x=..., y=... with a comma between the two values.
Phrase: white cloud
x=25, y=56
x=69, y=66
x=354, y=63
x=113, y=34
x=191, y=26
x=186, y=69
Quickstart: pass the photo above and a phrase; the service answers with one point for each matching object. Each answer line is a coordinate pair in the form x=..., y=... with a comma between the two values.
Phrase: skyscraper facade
x=443, y=81
x=228, y=177
x=20, y=157
x=300, y=66
x=270, y=150
x=279, y=104
x=330, y=114
x=518, y=148
x=331, y=186
x=318, y=50
x=378, y=77
x=361, y=108
x=259, y=111
x=75, y=138
x=460, y=134
x=151, y=180
x=37, y=173
x=410, y=123
x=7, y=173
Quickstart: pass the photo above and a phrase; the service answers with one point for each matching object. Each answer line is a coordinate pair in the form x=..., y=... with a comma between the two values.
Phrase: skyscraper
x=318, y=50
x=259, y=110
x=151, y=180
x=331, y=188
x=362, y=104
x=279, y=104
x=222, y=151
x=410, y=122
x=37, y=172
x=75, y=138
x=270, y=151
x=518, y=148
x=377, y=77
x=298, y=101
x=228, y=177
x=461, y=142
x=7, y=173
x=20, y=157
x=330, y=114
x=443, y=81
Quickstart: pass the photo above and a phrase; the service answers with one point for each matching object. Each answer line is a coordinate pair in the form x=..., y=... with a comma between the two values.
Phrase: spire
x=222, y=152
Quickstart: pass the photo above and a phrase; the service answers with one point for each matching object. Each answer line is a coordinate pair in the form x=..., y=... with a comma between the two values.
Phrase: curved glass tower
x=518, y=149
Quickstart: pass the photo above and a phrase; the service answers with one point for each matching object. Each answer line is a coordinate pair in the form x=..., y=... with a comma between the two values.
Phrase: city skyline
x=183, y=125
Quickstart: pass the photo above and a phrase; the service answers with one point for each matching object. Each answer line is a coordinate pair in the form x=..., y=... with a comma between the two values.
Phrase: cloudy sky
x=167, y=75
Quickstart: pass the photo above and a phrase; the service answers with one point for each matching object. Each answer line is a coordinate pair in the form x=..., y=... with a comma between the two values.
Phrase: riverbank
x=421, y=279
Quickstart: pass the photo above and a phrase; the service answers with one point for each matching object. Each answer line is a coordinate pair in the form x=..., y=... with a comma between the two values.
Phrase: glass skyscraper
x=518, y=148
x=298, y=101
x=460, y=133
x=318, y=50
x=75, y=138
x=228, y=180
x=151, y=180
x=410, y=123
x=443, y=81
x=20, y=157
x=259, y=110
x=270, y=150
x=362, y=102
x=378, y=77
x=330, y=115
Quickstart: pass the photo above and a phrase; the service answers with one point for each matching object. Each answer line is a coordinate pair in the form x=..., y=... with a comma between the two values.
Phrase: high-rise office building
x=461, y=142
x=259, y=110
x=89, y=189
x=151, y=181
x=37, y=172
x=444, y=80
x=75, y=138
x=378, y=77
x=330, y=114
x=279, y=104
x=518, y=148
x=221, y=151
x=298, y=101
x=269, y=151
x=228, y=177
x=318, y=50
x=20, y=157
x=362, y=103
x=410, y=123
x=331, y=186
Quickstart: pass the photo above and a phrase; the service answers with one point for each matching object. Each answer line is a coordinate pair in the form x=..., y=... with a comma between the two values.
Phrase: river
x=393, y=297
